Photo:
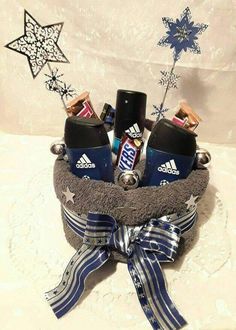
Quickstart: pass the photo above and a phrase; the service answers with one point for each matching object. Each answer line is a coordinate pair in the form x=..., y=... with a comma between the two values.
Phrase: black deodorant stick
x=130, y=115
x=170, y=154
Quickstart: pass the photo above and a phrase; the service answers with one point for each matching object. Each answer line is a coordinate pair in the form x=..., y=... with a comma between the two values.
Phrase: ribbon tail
x=85, y=261
x=149, y=282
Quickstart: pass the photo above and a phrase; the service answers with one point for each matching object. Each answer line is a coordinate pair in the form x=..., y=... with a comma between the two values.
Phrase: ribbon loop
x=160, y=237
x=144, y=246
x=99, y=229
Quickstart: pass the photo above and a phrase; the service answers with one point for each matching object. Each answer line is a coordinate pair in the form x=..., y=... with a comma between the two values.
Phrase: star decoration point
x=141, y=295
x=191, y=202
x=146, y=308
x=68, y=195
x=133, y=273
x=38, y=44
x=152, y=319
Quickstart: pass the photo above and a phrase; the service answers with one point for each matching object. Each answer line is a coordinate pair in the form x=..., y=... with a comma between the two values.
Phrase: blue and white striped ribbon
x=145, y=247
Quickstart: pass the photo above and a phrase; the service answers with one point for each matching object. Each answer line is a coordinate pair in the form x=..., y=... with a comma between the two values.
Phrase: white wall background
x=111, y=44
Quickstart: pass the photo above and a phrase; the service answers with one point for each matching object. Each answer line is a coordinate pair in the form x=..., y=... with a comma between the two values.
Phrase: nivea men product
x=88, y=149
x=170, y=154
x=130, y=115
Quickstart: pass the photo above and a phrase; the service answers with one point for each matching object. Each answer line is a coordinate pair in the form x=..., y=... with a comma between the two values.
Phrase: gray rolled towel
x=132, y=207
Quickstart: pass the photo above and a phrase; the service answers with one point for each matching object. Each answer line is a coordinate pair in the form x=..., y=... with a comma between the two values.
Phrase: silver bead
x=203, y=157
x=58, y=147
x=129, y=179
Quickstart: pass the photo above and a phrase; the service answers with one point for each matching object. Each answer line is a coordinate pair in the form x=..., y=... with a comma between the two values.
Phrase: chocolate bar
x=186, y=117
x=81, y=106
x=129, y=152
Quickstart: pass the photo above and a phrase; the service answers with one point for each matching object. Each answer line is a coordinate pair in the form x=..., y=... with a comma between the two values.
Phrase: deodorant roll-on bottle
x=88, y=149
x=130, y=115
x=170, y=154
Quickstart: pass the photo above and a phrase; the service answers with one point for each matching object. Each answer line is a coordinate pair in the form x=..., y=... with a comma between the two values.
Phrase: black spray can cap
x=130, y=109
x=85, y=133
x=169, y=137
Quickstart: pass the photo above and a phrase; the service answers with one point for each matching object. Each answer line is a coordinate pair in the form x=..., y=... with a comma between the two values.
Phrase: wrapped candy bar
x=81, y=106
x=186, y=117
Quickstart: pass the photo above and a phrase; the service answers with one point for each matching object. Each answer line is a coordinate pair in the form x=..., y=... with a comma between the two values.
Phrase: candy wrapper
x=186, y=117
x=81, y=106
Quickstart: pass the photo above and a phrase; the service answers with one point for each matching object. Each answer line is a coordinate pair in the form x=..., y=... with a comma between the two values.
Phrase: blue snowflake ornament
x=168, y=79
x=182, y=34
x=159, y=111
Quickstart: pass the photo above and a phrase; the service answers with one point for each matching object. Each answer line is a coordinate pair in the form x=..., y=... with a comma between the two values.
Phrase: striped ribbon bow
x=144, y=246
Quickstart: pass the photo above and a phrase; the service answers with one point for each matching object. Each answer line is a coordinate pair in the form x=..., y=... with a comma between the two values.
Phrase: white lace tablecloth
x=34, y=252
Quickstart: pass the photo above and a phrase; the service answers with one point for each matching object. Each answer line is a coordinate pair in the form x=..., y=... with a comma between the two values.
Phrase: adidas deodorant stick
x=88, y=149
x=170, y=154
x=130, y=115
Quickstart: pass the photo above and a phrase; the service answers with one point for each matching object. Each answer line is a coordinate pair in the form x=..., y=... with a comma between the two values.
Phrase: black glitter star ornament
x=39, y=44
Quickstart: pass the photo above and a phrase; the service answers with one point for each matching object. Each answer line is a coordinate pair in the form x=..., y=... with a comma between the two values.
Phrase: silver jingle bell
x=203, y=157
x=58, y=147
x=129, y=179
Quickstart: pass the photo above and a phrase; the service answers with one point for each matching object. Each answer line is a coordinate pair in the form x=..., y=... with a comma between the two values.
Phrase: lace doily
x=37, y=236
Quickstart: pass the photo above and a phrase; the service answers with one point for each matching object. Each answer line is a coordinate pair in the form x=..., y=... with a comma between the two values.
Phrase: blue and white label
x=162, y=167
x=91, y=163
x=134, y=131
x=169, y=167
x=127, y=157
x=85, y=162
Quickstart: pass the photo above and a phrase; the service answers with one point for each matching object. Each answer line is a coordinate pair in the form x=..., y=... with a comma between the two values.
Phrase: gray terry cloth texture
x=133, y=207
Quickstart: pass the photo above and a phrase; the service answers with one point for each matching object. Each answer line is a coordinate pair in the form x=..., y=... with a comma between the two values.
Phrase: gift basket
x=124, y=195
x=117, y=206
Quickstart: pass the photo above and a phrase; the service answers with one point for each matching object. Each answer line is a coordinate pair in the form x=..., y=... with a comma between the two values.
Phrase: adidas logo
x=169, y=167
x=85, y=162
x=134, y=131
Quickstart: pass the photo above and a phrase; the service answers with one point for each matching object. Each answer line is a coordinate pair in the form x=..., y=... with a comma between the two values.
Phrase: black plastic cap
x=169, y=137
x=130, y=109
x=85, y=133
